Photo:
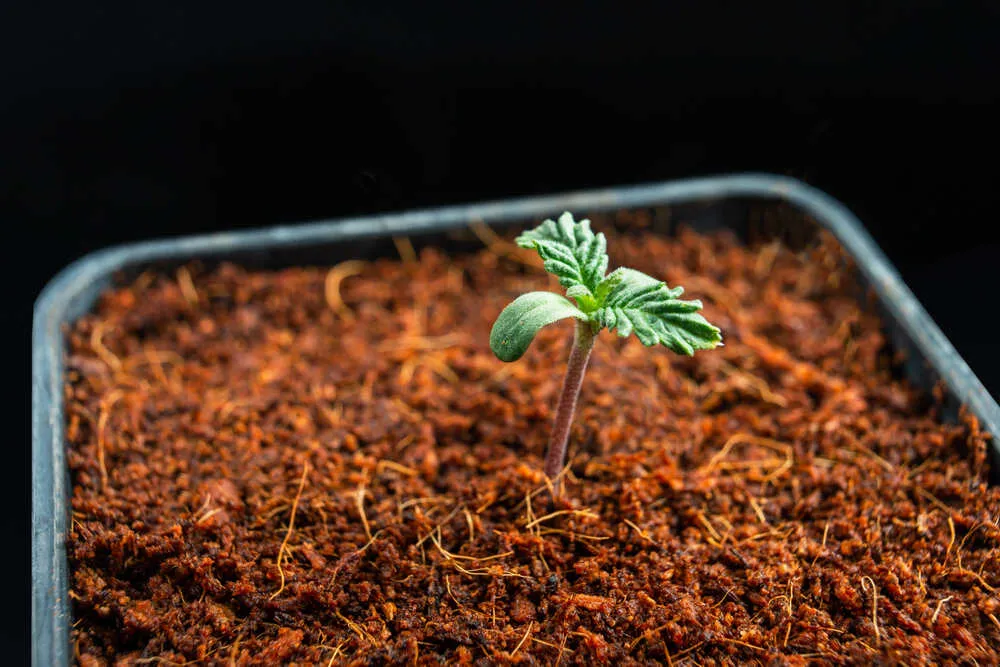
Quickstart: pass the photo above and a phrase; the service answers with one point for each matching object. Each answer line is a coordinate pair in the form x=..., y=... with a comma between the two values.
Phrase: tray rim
x=50, y=613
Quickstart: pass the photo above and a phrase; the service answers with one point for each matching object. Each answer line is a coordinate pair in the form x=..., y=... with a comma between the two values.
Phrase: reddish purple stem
x=583, y=343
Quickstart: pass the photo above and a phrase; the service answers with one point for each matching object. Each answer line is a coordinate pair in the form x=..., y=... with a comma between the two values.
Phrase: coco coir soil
x=330, y=467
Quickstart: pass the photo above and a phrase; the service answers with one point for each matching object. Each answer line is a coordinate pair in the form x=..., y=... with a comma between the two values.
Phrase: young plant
x=626, y=300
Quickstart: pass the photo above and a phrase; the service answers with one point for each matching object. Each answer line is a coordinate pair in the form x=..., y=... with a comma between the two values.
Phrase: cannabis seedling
x=626, y=300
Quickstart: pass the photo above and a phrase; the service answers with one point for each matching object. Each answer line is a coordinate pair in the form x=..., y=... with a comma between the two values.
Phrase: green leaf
x=570, y=250
x=635, y=302
x=518, y=323
x=584, y=299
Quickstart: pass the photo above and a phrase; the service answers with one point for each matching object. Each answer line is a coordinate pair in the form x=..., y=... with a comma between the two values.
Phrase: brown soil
x=264, y=474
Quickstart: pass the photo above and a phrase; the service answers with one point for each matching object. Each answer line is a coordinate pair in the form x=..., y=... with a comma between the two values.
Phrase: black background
x=124, y=121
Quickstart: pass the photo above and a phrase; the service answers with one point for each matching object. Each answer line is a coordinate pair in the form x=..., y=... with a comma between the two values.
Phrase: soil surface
x=332, y=468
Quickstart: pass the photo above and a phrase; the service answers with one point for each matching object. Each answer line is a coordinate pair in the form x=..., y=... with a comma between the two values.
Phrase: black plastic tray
x=726, y=201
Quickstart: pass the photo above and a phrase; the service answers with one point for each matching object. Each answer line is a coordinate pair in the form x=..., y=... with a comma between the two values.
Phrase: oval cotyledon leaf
x=518, y=323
